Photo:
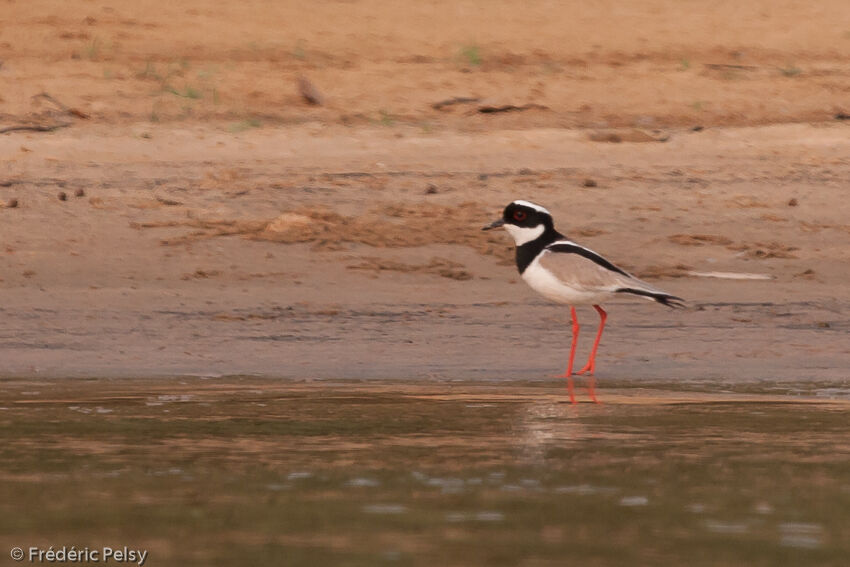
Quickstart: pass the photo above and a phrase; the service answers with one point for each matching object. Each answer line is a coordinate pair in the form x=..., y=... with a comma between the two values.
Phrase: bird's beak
x=494, y=224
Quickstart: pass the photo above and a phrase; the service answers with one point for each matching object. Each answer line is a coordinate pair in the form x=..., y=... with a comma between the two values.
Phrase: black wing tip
x=663, y=298
x=671, y=301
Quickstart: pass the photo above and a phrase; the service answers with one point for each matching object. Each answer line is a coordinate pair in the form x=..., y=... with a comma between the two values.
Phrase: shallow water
x=241, y=471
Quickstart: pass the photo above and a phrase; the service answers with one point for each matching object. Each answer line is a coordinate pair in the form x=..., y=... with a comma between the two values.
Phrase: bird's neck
x=526, y=253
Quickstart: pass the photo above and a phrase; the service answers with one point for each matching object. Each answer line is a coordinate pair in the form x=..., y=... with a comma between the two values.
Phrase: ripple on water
x=489, y=516
x=447, y=485
x=633, y=501
x=801, y=535
x=583, y=489
x=483, y=516
x=299, y=475
x=361, y=482
x=175, y=398
x=719, y=527
x=384, y=509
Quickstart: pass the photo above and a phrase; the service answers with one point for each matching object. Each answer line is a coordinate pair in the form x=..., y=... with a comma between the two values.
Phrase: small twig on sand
x=491, y=109
x=168, y=202
x=454, y=100
x=731, y=66
x=730, y=275
x=309, y=92
x=66, y=110
x=35, y=127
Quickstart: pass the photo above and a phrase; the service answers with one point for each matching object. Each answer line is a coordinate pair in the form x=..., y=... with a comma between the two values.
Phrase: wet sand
x=279, y=268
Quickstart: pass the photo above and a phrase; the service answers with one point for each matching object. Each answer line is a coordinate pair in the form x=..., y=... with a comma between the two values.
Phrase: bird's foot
x=590, y=368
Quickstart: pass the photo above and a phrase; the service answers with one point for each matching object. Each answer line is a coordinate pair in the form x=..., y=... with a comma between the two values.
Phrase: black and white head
x=525, y=222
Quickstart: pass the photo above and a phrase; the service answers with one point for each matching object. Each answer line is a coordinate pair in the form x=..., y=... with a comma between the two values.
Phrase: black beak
x=494, y=224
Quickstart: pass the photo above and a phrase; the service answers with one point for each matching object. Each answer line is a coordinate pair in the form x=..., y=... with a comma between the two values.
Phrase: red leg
x=569, y=373
x=591, y=363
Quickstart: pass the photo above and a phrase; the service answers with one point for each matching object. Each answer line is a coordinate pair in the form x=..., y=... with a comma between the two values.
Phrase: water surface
x=243, y=471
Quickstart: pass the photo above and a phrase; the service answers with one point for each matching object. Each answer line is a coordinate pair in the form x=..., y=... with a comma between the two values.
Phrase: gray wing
x=586, y=270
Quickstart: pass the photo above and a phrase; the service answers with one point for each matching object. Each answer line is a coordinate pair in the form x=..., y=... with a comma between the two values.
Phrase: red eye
x=520, y=216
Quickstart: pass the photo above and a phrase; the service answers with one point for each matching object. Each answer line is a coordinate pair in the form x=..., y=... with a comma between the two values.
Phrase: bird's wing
x=581, y=268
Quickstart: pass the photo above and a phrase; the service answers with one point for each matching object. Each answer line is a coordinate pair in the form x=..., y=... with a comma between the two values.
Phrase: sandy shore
x=177, y=260
x=216, y=223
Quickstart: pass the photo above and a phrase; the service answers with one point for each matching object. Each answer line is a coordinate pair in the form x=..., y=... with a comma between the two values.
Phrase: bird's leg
x=591, y=363
x=569, y=373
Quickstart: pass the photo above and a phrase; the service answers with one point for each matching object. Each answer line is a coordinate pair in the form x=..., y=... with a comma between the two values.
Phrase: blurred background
x=653, y=63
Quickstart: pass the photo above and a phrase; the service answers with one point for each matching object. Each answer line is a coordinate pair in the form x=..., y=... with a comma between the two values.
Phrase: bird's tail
x=659, y=296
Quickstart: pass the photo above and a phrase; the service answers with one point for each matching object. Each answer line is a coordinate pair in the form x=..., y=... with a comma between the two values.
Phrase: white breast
x=546, y=284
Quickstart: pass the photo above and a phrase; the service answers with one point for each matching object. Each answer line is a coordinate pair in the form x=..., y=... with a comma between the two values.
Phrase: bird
x=565, y=272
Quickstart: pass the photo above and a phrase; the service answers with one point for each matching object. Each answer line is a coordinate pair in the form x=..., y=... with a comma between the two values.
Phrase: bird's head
x=524, y=221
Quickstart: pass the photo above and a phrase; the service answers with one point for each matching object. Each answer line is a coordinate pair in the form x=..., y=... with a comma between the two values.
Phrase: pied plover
x=565, y=272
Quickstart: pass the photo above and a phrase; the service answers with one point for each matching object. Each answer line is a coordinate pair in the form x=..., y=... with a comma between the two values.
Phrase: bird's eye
x=520, y=216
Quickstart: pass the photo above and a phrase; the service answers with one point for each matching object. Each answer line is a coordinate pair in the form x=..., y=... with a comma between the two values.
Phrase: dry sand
x=228, y=226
